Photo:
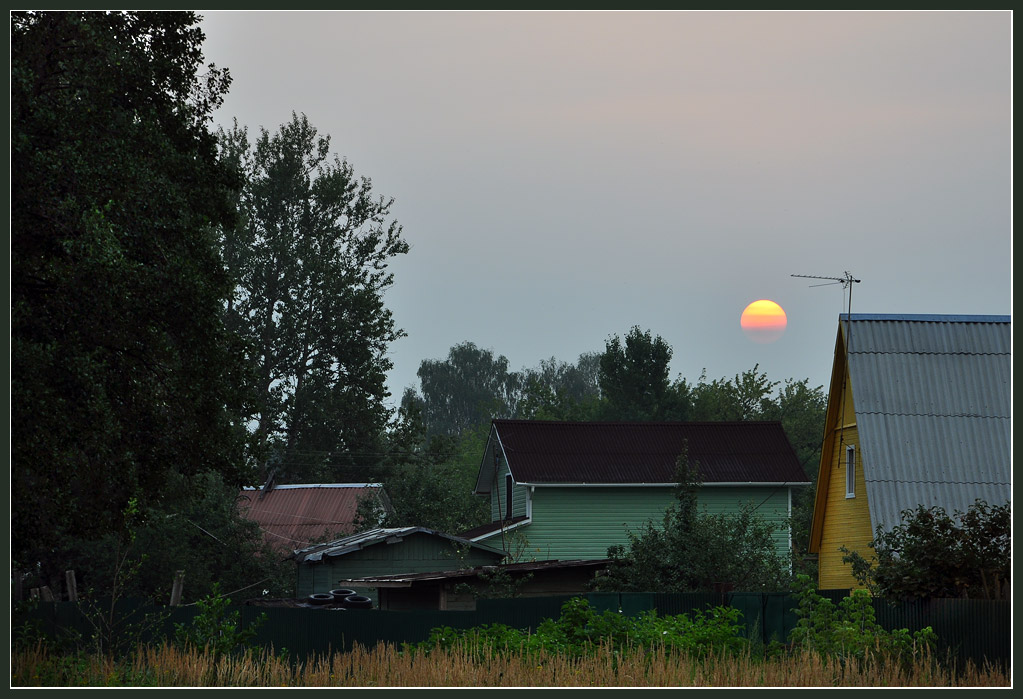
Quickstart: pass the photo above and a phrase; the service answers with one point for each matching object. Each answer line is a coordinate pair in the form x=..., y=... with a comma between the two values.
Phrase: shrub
x=850, y=629
x=215, y=628
x=581, y=630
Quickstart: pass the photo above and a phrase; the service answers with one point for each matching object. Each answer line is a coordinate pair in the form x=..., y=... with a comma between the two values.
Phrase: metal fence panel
x=978, y=630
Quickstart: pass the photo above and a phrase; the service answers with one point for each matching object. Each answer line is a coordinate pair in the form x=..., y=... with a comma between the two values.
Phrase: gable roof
x=295, y=516
x=933, y=402
x=371, y=537
x=617, y=453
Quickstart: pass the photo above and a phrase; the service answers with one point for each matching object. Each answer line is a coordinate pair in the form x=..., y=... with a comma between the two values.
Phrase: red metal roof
x=296, y=516
x=548, y=452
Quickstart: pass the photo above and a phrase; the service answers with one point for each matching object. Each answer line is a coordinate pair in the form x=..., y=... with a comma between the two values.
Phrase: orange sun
x=763, y=321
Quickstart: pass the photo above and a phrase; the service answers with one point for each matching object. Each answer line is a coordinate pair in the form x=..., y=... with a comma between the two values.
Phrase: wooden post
x=179, y=581
x=72, y=585
x=45, y=593
x=33, y=593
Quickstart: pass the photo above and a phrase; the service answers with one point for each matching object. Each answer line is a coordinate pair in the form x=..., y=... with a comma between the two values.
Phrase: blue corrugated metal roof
x=932, y=396
x=931, y=318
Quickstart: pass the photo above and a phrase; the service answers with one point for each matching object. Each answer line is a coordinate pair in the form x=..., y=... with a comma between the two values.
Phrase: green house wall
x=571, y=523
x=417, y=553
x=498, y=495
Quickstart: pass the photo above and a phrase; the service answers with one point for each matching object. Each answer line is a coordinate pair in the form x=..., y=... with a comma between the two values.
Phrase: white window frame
x=850, y=471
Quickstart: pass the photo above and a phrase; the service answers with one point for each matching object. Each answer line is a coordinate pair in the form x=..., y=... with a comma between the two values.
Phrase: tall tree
x=309, y=259
x=465, y=390
x=122, y=370
x=557, y=390
x=634, y=380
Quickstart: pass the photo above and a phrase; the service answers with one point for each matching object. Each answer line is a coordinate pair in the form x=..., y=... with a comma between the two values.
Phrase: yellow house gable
x=841, y=514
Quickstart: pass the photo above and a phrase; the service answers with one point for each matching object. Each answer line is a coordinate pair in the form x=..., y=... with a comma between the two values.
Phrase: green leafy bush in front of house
x=215, y=628
x=850, y=629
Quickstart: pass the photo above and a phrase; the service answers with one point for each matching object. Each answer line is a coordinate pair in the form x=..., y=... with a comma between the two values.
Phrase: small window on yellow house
x=850, y=472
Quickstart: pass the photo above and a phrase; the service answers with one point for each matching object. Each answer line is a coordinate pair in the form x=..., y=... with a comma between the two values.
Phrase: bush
x=931, y=554
x=580, y=630
x=216, y=629
x=851, y=629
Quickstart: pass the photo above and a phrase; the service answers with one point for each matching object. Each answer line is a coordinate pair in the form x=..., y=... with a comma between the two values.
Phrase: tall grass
x=385, y=666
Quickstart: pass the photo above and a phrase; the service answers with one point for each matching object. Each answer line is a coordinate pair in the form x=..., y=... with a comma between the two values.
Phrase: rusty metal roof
x=602, y=453
x=296, y=516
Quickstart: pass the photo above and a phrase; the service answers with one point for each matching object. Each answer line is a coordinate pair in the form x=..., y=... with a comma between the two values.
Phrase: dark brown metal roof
x=548, y=452
x=296, y=516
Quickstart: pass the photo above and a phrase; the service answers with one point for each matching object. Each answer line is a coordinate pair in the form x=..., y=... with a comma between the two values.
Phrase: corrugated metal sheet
x=370, y=537
x=640, y=452
x=295, y=516
x=933, y=405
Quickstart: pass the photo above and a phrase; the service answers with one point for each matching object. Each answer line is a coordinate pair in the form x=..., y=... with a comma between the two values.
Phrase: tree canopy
x=123, y=373
x=308, y=259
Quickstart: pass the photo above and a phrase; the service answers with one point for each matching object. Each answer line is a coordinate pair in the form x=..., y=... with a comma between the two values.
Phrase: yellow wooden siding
x=847, y=522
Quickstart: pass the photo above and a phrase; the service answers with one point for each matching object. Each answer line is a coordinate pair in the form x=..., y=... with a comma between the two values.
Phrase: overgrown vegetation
x=581, y=630
x=829, y=648
x=215, y=628
x=931, y=554
x=850, y=630
x=385, y=666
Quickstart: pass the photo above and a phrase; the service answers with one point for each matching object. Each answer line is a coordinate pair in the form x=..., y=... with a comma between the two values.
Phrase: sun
x=763, y=321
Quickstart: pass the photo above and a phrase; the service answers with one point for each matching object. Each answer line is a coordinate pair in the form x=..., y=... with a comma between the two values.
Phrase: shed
x=458, y=589
x=391, y=551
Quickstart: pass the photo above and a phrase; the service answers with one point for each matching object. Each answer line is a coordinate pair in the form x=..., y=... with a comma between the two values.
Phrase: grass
x=385, y=666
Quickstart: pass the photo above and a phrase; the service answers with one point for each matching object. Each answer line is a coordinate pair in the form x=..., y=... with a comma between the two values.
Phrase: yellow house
x=919, y=413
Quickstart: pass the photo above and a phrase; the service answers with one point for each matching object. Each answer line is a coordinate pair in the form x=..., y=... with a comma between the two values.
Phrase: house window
x=850, y=472
x=508, y=496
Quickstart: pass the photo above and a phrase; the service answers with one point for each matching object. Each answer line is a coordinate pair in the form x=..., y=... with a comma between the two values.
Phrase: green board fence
x=978, y=630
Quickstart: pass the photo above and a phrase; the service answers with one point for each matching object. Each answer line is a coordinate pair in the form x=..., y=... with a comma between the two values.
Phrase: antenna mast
x=847, y=280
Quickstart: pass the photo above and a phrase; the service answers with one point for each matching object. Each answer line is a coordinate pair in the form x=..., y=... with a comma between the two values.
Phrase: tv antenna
x=847, y=280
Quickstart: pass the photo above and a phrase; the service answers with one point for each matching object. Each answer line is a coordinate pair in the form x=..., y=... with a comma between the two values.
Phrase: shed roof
x=371, y=537
x=614, y=453
x=933, y=402
x=295, y=516
x=529, y=567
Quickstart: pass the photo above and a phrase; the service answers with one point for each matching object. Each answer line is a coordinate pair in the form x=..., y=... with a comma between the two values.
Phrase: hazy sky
x=564, y=176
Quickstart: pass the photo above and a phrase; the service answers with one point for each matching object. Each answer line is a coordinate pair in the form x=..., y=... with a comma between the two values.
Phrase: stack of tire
x=339, y=599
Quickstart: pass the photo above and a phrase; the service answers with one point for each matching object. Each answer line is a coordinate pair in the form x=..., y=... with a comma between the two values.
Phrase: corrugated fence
x=978, y=630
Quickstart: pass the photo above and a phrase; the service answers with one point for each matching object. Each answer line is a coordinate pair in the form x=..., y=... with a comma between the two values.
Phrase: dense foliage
x=308, y=259
x=581, y=630
x=850, y=630
x=691, y=550
x=932, y=554
x=123, y=374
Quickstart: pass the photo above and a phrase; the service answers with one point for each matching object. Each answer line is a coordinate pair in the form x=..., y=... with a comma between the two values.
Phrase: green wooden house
x=569, y=490
x=378, y=552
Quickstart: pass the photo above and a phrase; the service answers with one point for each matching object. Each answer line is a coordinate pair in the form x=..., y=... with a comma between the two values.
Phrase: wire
x=225, y=594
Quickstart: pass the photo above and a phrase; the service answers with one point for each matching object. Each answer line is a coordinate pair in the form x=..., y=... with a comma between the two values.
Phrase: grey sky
x=563, y=176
